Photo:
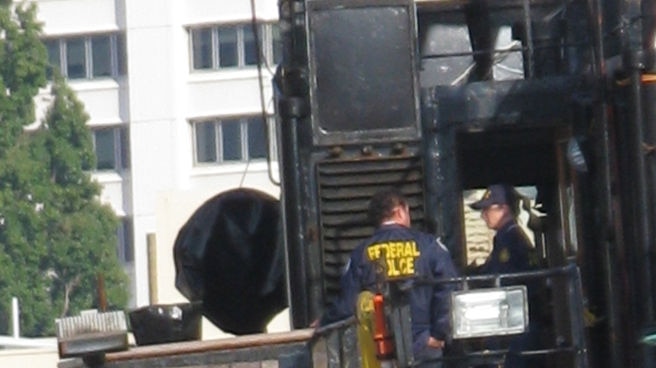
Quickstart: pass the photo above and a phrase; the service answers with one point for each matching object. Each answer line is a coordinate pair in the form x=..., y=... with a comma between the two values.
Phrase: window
x=230, y=140
x=125, y=247
x=54, y=56
x=276, y=47
x=256, y=139
x=75, y=59
x=101, y=56
x=233, y=46
x=202, y=41
x=87, y=57
x=112, y=147
x=228, y=49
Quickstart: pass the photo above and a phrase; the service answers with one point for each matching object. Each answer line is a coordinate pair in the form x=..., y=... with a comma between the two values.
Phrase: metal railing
x=562, y=343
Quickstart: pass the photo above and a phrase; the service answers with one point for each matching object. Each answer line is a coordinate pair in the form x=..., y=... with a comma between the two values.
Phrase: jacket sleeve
x=443, y=268
x=344, y=306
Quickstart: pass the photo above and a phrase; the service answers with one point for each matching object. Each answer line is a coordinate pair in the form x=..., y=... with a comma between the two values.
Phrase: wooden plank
x=190, y=347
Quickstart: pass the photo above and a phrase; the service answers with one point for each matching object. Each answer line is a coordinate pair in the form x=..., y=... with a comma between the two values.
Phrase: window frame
x=117, y=66
x=266, y=39
x=121, y=152
x=243, y=139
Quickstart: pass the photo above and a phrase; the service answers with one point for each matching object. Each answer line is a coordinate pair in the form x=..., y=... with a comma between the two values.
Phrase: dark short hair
x=382, y=205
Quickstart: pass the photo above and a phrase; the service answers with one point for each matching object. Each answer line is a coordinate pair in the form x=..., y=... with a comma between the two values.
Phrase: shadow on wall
x=229, y=255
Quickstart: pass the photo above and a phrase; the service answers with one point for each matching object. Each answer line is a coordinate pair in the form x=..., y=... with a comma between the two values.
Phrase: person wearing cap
x=512, y=252
x=395, y=251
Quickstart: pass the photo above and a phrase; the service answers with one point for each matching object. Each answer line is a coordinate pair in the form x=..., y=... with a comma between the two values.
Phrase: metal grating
x=91, y=333
x=90, y=323
x=345, y=188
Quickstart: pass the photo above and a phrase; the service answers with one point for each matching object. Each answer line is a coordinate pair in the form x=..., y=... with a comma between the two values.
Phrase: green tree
x=56, y=237
x=81, y=242
x=23, y=61
x=22, y=72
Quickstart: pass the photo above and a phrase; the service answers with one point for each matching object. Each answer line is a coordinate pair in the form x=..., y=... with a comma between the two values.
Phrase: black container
x=163, y=323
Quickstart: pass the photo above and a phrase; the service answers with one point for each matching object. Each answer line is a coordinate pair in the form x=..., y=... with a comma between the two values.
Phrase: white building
x=175, y=105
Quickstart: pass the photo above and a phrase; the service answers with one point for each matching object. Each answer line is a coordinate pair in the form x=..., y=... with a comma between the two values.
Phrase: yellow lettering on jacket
x=399, y=256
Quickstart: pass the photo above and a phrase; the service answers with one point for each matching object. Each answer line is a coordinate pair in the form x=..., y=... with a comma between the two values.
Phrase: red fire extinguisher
x=382, y=336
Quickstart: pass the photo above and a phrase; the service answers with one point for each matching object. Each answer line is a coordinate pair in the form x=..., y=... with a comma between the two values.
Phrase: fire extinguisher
x=382, y=335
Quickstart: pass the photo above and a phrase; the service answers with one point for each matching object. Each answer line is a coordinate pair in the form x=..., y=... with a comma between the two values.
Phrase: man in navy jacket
x=400, y=253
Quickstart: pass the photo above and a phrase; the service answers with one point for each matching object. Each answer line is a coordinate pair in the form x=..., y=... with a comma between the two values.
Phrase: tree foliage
x=22, y=70
x=81, y=242
x=56, y=238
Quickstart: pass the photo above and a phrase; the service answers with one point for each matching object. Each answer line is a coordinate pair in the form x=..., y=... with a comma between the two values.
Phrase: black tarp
x=230, y=256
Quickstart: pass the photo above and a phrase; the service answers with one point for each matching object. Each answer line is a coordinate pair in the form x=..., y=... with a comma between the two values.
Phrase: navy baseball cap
x=496, y=194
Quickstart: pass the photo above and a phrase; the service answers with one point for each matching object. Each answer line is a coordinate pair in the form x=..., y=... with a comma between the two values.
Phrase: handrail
x=333, y=334
x=566, y=270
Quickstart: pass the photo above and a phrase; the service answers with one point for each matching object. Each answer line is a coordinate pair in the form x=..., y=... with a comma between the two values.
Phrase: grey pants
x=428, y=358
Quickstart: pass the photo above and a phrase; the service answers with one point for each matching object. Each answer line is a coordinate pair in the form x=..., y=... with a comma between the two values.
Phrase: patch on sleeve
x=504, y=255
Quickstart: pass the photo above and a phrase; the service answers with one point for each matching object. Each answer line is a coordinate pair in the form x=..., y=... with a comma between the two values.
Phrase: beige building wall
x=32, y=358
x=477, y=235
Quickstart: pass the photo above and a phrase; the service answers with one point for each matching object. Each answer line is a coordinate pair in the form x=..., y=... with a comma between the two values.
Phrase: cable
x=259, y=57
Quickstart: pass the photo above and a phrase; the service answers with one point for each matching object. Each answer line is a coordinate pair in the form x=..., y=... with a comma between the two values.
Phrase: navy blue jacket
x=405, y=253
x=511, y=252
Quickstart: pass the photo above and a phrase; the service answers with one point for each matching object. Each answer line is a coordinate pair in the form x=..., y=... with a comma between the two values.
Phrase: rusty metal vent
x=345, y=188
